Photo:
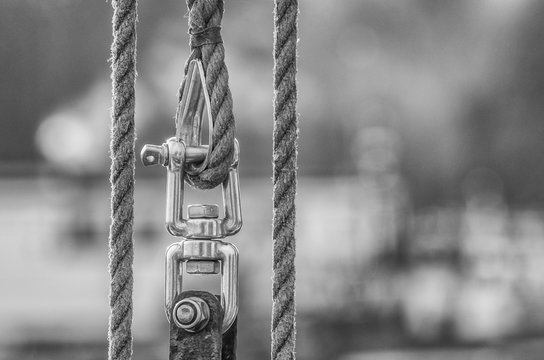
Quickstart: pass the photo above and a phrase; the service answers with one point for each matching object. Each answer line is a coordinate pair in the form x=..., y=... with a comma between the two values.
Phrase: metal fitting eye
x=193, y=107
x=200, y=227
x=226, y=254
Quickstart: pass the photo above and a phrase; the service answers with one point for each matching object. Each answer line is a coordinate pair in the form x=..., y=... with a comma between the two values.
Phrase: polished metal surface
x=159, y=154
x=226, y=254
x=175, y=155
x=201, y=251
x=194, y=106
x=154, y=154
x=202, y=267
x=191, y=314
x=185, y=154
x=203, y=211
x=200, y=228
x=231, y=197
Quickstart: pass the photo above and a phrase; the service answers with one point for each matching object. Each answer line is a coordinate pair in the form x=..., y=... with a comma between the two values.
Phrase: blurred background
x=420, y=205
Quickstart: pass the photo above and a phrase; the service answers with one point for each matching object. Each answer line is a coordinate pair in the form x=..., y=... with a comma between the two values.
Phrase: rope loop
x=206, y=44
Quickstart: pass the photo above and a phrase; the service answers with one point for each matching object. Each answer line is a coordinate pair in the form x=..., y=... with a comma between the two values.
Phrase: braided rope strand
x=284, y=179
x=123, y=77
x=205, y=14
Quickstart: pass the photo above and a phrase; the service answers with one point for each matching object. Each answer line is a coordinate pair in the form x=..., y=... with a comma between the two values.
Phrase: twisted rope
x=205, y=15
x=284, y=178
x=123, y=77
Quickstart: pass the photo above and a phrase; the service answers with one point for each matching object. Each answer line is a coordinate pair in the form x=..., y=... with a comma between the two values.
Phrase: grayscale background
x=421, y=191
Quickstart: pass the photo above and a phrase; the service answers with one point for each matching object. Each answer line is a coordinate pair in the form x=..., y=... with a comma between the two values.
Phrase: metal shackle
x=185, y=154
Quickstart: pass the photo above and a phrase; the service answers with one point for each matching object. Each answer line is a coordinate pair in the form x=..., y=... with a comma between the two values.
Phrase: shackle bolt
x=191, y=314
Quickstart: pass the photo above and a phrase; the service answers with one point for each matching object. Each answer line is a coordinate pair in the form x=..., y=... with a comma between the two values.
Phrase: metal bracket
x=198, y=227
x=178, y=254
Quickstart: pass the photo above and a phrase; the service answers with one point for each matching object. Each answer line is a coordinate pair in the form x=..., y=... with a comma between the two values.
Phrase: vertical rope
x=284, y=178
x=123, y=57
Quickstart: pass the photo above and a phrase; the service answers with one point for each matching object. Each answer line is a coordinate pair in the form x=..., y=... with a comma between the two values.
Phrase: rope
x=123, y=77
x=284, y=178
x=204, y=17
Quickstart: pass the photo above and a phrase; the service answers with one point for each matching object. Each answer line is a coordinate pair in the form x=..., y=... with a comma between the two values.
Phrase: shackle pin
x=159, y=154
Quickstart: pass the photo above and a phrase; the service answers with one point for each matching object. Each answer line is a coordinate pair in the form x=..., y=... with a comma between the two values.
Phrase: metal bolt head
x=185, y=314
x=191, y=314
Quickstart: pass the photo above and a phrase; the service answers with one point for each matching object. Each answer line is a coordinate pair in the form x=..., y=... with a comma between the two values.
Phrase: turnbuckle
x=201, y=250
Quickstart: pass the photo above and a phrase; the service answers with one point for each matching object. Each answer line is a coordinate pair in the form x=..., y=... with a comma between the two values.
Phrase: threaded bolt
x=191, y=314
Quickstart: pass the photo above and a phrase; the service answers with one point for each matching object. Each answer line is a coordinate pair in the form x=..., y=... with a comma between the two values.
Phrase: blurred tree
x=519, y=146
x=503, y=127
x=50, y=53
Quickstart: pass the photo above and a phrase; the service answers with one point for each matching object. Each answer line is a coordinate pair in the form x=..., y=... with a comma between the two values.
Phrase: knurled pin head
x=154, y=154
